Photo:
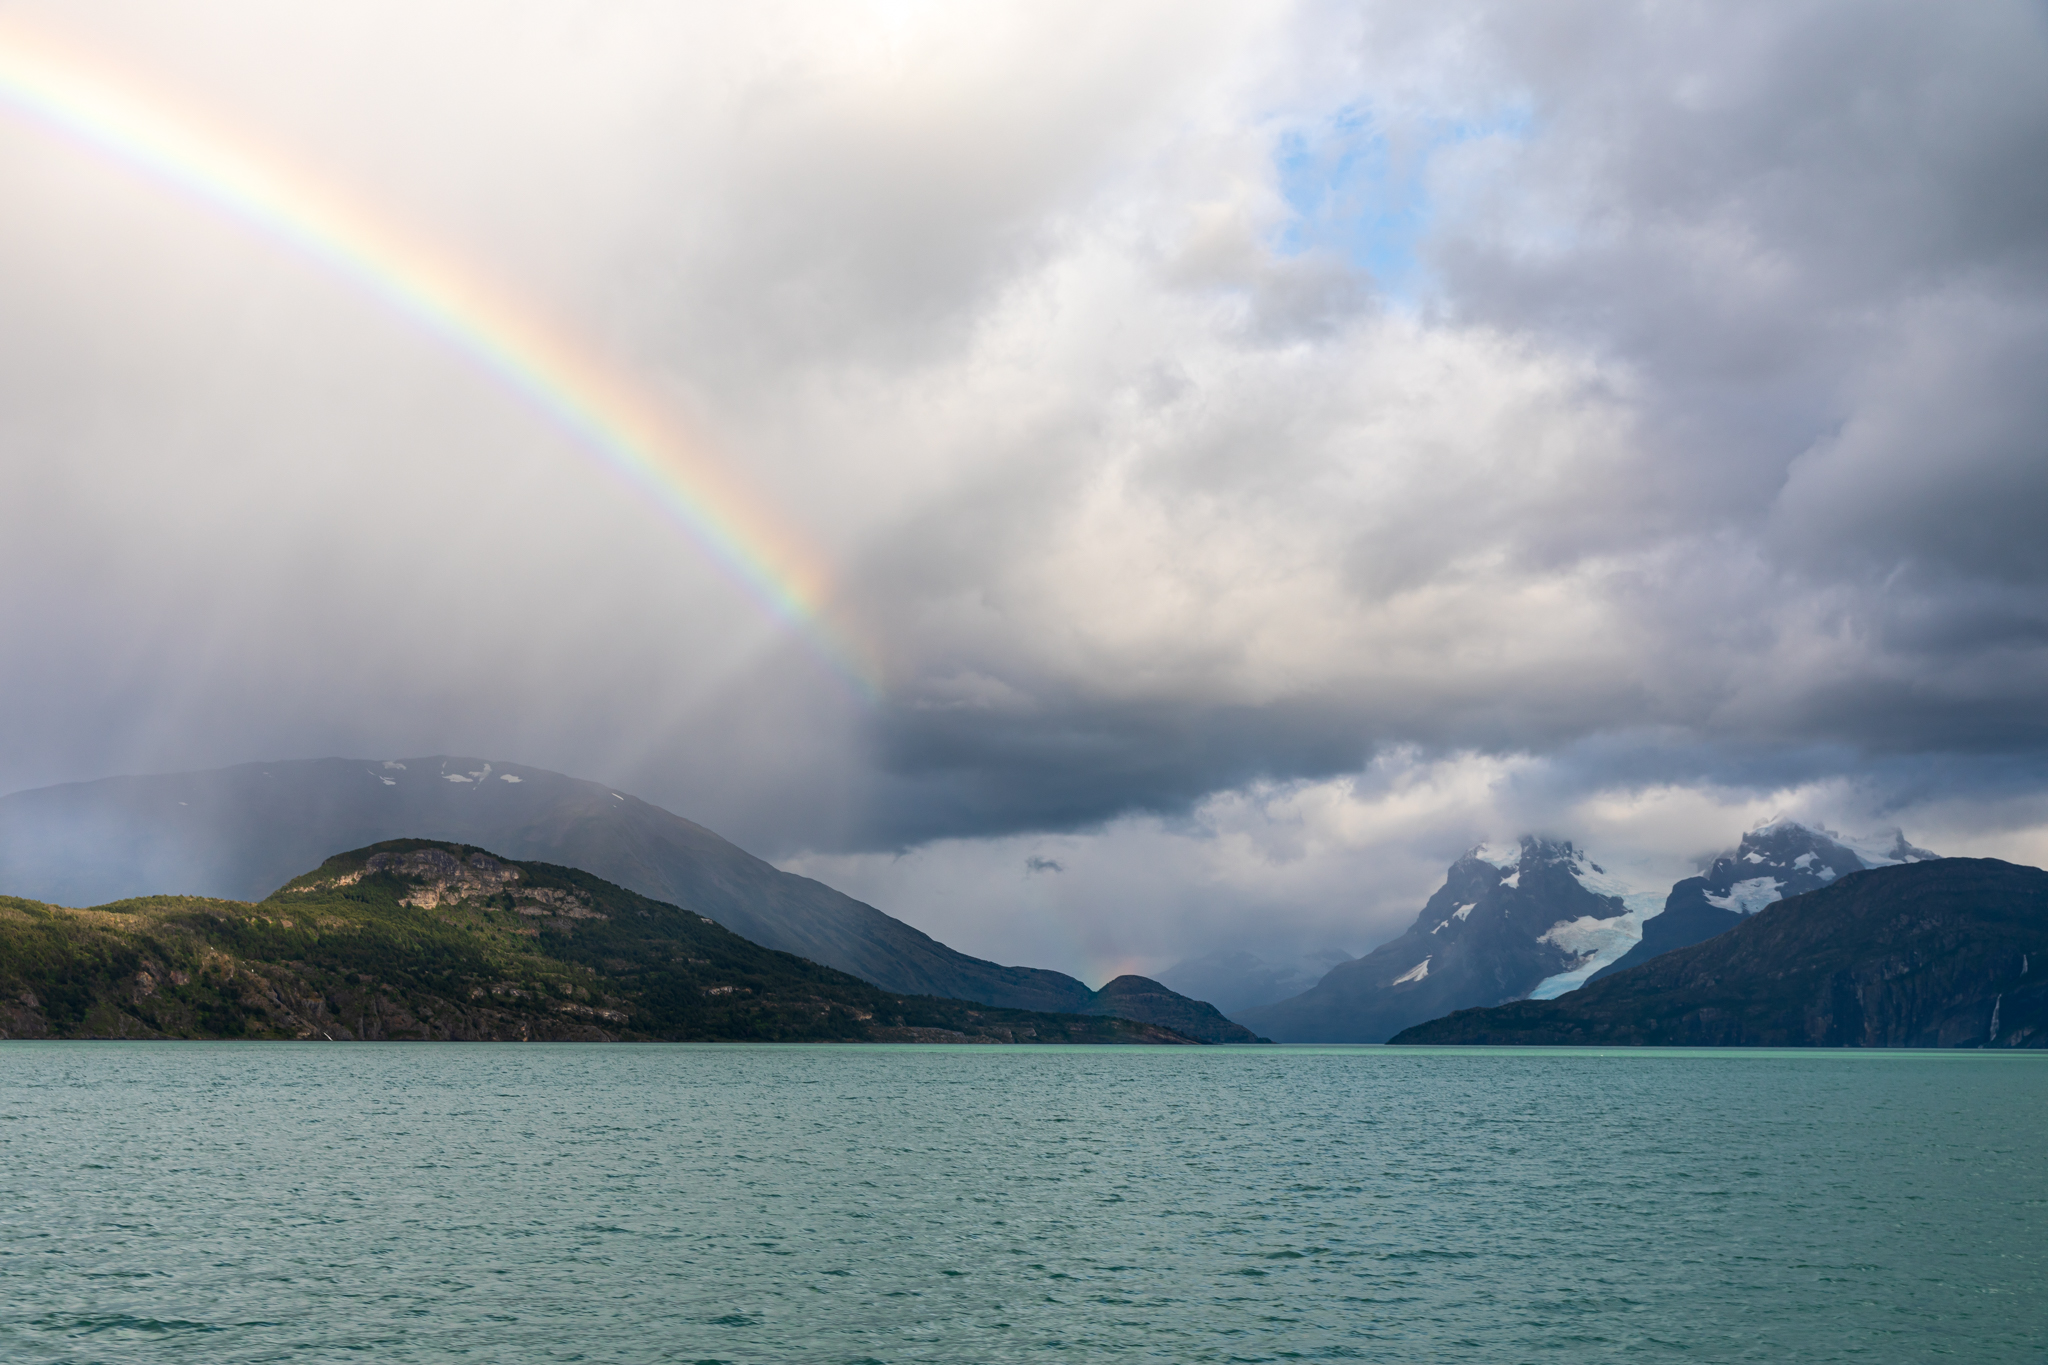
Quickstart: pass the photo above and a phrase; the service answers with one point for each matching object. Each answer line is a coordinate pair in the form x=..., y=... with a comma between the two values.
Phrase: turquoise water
x=442, y=1202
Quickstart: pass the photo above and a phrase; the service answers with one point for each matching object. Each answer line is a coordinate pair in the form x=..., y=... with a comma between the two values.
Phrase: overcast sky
x=1266, y=449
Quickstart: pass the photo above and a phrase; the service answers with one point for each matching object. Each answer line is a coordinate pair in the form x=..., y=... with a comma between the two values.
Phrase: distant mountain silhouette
x=1951, y=953
x=1237, y=979
x=239, y=832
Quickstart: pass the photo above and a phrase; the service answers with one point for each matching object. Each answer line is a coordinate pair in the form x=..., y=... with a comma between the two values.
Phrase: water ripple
x=406, y=1203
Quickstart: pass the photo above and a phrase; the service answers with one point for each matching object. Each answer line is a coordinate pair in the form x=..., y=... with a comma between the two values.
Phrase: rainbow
x=118, y=115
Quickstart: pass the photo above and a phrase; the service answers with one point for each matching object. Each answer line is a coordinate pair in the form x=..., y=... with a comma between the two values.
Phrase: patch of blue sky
x=1360, y=189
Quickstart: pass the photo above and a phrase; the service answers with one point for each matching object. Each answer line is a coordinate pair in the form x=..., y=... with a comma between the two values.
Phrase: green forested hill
x=416, y=939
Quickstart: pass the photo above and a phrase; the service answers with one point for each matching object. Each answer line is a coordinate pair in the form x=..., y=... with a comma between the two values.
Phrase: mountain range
x=235, y=833
x=1538, y=919
x=416, y=939
x=1532, y=921
x=1921, y=954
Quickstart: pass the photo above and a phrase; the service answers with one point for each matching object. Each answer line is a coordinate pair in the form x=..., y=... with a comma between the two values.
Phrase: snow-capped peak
x=1530, y=849
x=1881, y=849
x=1783, y=821
x=1503, y=854
x=1887, y=847
x=1785, y=857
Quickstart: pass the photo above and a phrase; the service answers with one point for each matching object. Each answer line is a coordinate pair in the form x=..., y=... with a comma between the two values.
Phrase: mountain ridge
x=234, y=833
x=1923, y=954
x=425, y=939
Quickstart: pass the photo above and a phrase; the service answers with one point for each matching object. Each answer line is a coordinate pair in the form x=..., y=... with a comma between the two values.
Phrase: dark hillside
x=1139, y=997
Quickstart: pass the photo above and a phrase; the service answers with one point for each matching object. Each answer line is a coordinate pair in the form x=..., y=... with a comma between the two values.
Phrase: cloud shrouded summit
x=1277, y=436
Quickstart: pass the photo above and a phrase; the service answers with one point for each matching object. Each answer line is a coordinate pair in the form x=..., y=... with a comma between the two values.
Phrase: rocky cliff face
x=1505, y=922
x=1783, y=858
x=1926, y=954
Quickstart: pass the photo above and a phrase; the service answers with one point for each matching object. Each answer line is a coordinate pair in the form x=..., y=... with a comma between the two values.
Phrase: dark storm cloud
x=1818, y=237
x=969, y=774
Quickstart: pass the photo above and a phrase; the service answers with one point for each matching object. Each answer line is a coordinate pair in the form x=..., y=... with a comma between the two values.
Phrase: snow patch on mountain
x=1419, y=972
x=1749, y=896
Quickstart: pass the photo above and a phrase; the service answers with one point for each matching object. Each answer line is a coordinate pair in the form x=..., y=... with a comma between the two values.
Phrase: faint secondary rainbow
x=145, y=129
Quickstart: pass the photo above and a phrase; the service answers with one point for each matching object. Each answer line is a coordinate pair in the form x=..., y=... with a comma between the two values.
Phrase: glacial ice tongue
x=1594, y=943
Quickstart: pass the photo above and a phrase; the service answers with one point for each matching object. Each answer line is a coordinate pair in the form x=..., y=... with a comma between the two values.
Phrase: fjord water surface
x=445, y=1202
